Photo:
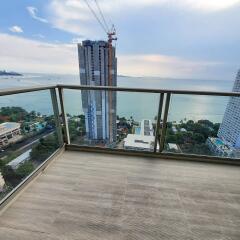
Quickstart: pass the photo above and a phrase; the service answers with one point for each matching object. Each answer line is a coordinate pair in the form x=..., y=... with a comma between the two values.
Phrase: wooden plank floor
x=96, y=196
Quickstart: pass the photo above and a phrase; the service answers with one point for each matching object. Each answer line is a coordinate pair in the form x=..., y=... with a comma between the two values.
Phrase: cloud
x=74, y=16
x=16, y=29
x=63, y=59
x=33, y=13
x=208, y=5
x=164, y=66
x=27, y=55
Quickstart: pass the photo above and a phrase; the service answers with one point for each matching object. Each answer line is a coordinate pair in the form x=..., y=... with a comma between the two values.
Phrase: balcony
x=87, y=190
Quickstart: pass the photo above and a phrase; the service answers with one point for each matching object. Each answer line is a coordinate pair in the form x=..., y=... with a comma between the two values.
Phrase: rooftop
x=20, y=159
x=173, y=146
x=8, y=127
x=102, y=196
x=139, y=141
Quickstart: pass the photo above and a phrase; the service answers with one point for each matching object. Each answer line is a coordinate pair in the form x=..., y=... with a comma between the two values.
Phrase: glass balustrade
x=28, y=136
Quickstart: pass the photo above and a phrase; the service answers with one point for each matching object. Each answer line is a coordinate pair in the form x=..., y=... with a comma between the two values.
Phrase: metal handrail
x=10, y=91
x=160, y=131
x=149, y=90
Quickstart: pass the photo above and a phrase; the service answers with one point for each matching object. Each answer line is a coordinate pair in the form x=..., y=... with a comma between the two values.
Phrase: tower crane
x=111, y=37
x=111, y=34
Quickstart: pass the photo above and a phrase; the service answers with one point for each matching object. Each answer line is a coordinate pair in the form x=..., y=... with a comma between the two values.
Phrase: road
x=25, y=145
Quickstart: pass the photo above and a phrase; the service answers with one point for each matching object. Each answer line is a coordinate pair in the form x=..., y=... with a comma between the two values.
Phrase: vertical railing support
x=64, y=116
x=157, y=130
x=164, y=124
x=56, y=115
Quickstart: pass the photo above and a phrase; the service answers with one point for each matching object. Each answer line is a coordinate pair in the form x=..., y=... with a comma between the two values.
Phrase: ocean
x=138, y=105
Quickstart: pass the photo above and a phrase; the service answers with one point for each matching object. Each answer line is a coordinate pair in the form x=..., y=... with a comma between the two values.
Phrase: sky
x=196, y=39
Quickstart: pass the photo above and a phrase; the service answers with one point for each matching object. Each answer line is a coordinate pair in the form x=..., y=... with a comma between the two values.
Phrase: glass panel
x=123, y=120
x=204, y=125
x=27, y=136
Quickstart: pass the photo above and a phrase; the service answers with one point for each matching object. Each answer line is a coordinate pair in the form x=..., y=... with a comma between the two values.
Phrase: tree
x=10, y=176
x=14, y=114
x=24, y=169
x=25, y=127
x=179, y=138
x=201, y=149
x=198, y=138
x=72, y=126
x=216, y=127
x=190, y=122
x=205, y=131
x=206, y=123
x=32, y=115
x=14, y=177
x=171, y=139
x=45, y=148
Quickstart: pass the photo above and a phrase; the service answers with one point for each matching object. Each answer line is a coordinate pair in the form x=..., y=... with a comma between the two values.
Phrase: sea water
x=138, y=105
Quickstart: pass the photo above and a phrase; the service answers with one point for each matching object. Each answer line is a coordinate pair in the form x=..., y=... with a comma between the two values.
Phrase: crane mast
x=111, y=37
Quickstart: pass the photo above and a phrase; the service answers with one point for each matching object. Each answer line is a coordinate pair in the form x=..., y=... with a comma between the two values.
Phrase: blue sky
x=196, y=39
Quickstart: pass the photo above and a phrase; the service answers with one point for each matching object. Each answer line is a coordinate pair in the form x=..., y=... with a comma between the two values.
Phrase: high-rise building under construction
x=98, y=67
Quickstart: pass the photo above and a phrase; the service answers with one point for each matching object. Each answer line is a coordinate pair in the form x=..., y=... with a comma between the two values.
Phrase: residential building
x=99, y=107
x=9, y=132
x=229, y=130
x=143, y=139
x=14, y=164
x=146, y=128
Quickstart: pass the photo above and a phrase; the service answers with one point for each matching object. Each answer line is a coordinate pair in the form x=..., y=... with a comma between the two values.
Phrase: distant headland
x=5, y=73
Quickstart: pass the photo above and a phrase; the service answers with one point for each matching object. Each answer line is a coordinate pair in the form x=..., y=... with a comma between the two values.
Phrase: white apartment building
x=9, y=132
x=229, y=130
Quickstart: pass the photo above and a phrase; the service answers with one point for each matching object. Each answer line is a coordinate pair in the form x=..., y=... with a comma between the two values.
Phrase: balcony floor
x=96, y=196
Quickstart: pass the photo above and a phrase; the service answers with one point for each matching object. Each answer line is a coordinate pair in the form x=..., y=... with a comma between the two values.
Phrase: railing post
x=157, y=130
x=64, y=117
x=164, y=125
x=56, y=115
